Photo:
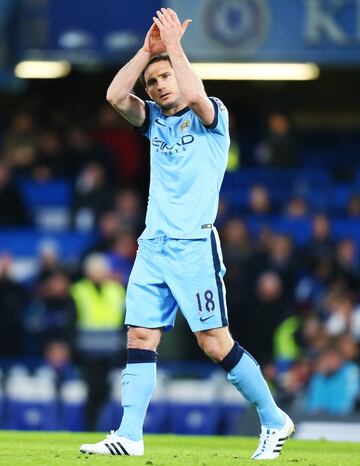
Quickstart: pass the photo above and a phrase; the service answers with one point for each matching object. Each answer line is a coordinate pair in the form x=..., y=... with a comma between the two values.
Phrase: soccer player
x=179, y=261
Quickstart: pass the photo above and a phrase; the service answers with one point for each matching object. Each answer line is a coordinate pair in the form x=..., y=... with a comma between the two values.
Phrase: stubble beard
x=171, y=105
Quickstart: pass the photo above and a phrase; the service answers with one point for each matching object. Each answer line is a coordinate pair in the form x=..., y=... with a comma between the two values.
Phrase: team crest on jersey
x=185, y=125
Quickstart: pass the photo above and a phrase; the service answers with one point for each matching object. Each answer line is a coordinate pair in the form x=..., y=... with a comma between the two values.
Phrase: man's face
x=161, y=84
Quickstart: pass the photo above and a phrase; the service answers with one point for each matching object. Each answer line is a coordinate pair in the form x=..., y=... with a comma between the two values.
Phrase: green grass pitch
x=55, y=449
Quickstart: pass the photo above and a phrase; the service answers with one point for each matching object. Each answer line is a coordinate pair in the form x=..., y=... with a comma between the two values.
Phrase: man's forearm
x=125, y=79
x=190, y=85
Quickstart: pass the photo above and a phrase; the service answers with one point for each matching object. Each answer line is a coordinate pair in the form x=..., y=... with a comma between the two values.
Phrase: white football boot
x=114, y=445
x=272, y=440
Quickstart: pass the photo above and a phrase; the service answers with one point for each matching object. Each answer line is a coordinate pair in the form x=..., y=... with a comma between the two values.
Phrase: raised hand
x=169, y=26
x=153, y=43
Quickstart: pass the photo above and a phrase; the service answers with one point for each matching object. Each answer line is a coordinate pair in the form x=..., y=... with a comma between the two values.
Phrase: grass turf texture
x=55, y=449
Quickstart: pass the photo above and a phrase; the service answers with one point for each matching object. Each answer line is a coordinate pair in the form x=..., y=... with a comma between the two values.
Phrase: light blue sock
x=247, y=378
x=138, y=385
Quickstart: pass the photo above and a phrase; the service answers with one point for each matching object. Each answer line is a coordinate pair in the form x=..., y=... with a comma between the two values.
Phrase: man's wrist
x=144, y=52
x=174, y=47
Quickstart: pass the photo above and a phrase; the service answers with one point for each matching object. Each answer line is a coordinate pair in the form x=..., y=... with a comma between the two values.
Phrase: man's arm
x=190, y=85
x=119, y=93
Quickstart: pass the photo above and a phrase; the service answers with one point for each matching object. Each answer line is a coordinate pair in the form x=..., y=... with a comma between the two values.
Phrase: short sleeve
x=145, y=128
x=220, y=123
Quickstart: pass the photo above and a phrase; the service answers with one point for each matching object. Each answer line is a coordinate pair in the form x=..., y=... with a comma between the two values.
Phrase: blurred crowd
x=295, y=308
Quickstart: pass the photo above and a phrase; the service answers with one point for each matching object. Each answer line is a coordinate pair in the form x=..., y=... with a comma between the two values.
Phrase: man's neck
x=174, y=110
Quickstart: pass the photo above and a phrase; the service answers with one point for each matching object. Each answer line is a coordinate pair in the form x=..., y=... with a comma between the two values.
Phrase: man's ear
x=147, y=91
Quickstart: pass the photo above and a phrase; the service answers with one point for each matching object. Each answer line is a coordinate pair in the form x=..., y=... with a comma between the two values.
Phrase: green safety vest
x=99, y=308
x=285, y=346
x=233, y=156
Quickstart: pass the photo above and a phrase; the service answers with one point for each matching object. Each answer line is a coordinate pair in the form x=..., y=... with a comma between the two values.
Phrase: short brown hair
x=161, y=57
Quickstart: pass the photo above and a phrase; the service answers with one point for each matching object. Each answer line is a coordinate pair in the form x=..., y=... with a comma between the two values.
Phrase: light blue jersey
x=188, y=161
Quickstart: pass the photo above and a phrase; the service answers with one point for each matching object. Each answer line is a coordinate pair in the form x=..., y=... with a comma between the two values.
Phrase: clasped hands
x=165, y=32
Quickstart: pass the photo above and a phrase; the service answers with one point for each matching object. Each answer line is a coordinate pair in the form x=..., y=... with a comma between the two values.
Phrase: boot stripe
x=109, y=448
x=118, y=452
x=123, y=449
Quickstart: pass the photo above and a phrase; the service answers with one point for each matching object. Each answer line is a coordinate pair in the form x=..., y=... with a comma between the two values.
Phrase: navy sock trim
x=136, y=356
x=233, y=357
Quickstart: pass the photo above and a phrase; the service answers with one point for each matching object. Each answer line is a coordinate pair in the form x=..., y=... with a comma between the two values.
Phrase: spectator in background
x=268, y=309
x=100, y=308
x=48, y=259
x=109, y=225
x=259, y=202
x=82, y=149
x=311, y=288
x=334, y=385
x=58, y=357
x=51, y=158
x=13, y=299
x=121, y=255
x=347, y=264
x=51, y=314
x=223, y=213
x=348, y=347
x=321, y=245
x=238, y=254
x=281, y=259
x=12, y=205
x=340, y=308
x=292, y=384
x=296, y=208
x=129, y=209
x=20, y=143
x=278, y=148
x=234, y=158
x=353, y=206
x=92, y=197
x=125, y=145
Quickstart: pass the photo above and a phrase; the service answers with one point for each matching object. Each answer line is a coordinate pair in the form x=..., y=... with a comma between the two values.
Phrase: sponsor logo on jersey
x=204, y=319
x=159, y=122
x=179, y=146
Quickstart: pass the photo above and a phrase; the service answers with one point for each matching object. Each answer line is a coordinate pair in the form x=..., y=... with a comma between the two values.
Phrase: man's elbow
x=116, y=100
x=195, y=99
x=110, y=97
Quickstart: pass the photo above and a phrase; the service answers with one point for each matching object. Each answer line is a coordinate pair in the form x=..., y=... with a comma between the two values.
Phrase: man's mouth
x=163, y=96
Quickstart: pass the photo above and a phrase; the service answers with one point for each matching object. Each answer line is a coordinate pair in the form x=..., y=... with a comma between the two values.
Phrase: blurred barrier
x=205, y=406
x=335, y=431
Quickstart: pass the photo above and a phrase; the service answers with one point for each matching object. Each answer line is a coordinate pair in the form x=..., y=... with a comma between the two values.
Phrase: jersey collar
x=179, y=113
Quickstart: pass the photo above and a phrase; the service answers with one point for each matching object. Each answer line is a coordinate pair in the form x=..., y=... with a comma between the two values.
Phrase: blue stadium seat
x=156, y=420
x=346, y=228
x=231, y=417
x=194, y=418
x=340, y=197
x=71, y=417
x=110, y=416
x=56, y=192
x=26, y=242
x=28, y=415
x=299, y=229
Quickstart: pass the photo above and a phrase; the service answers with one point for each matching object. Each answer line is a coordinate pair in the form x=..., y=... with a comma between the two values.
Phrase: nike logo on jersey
x=204, y=319
x=159, y=122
